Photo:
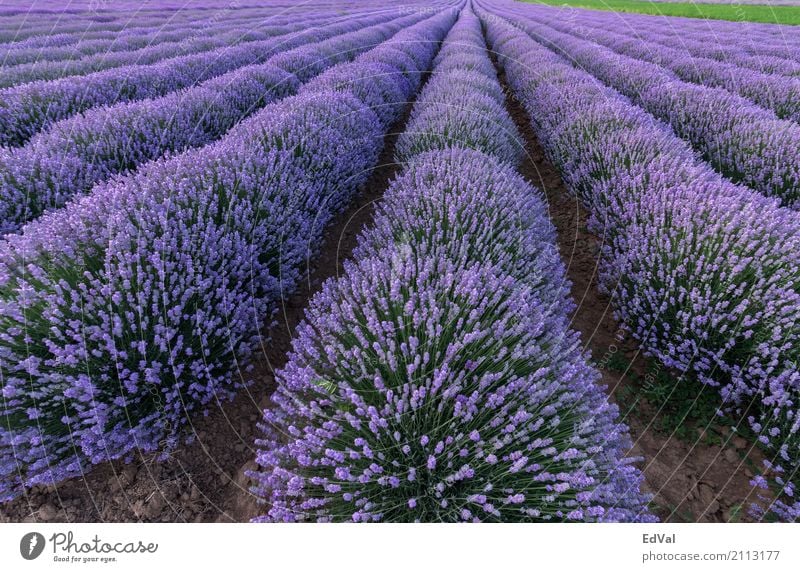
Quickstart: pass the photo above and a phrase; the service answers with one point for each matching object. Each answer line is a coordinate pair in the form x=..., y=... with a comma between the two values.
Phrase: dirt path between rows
x=692, y=481
x=205, y=481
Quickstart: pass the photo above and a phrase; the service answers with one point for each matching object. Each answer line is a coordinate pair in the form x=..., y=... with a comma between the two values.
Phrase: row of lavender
x=190, y=40
x=28, y=108
x=702, y=271
x=141, y=303
x=132, y=38
x=772, y=54
x=745, y=143
x=437, y=379
x=32, y=32
x=64, y=30
x=770, y=49
x=76, y=153
x=54, y=35
x=768, y=53
x=777, y=93
x=111, y=12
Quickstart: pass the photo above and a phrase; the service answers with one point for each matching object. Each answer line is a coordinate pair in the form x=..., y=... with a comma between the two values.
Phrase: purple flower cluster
x=137, y=36
x=76, y=153
x=378, y=86
x=26, y=109
x=138, y=304
x=768, y=49
x=462, y=104
x=219, y=36
x=437, y=379
x=703, y=272
x=46, y=31
x=779, y=93
x=744, y=142
x=67, y=26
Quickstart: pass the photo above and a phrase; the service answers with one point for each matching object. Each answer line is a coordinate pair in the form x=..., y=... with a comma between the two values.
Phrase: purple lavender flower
x=424, y=278
x=147, y=294
x=703, y=272
x=74, y=154
x=26, y=109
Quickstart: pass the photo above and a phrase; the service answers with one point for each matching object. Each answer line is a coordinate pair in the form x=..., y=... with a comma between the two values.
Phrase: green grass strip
x=734, y=12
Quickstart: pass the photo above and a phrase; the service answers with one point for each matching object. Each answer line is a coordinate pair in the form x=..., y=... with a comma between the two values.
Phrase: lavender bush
x=131, y=38
x=212, y=38
x=74, y=154
x=451, y=112
x=66, y=33
x=430, y=384
x=62, y=28
x=147, y=296
x=744, y=142
x=28, y=108
x=396, y=57
x=768, y=49
x=437, y=379
x=378, y=86
x=775, y=92
x=703, y=272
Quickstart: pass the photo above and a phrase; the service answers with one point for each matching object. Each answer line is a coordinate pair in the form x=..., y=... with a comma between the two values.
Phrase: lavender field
x=450, y=261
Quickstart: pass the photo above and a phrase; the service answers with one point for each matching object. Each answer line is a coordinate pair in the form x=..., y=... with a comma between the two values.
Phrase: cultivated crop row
x=142, y=302
x=437, y=378
x=190, y=42
x=744, y=142
x=26, y=109
x=73, y=154
x=774, y=92
x=33, y=31
x=767, y=52
x=761, y=47
x=135, y=38
x=703, y=272
x=66, y=32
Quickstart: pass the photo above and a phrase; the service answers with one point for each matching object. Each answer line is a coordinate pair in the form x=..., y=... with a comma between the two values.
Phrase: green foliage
x=685, y=408
x=617, y=362
x=733, y=12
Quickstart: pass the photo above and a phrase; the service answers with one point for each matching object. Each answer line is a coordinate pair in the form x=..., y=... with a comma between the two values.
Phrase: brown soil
x=205, y=481
x=691, y=481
